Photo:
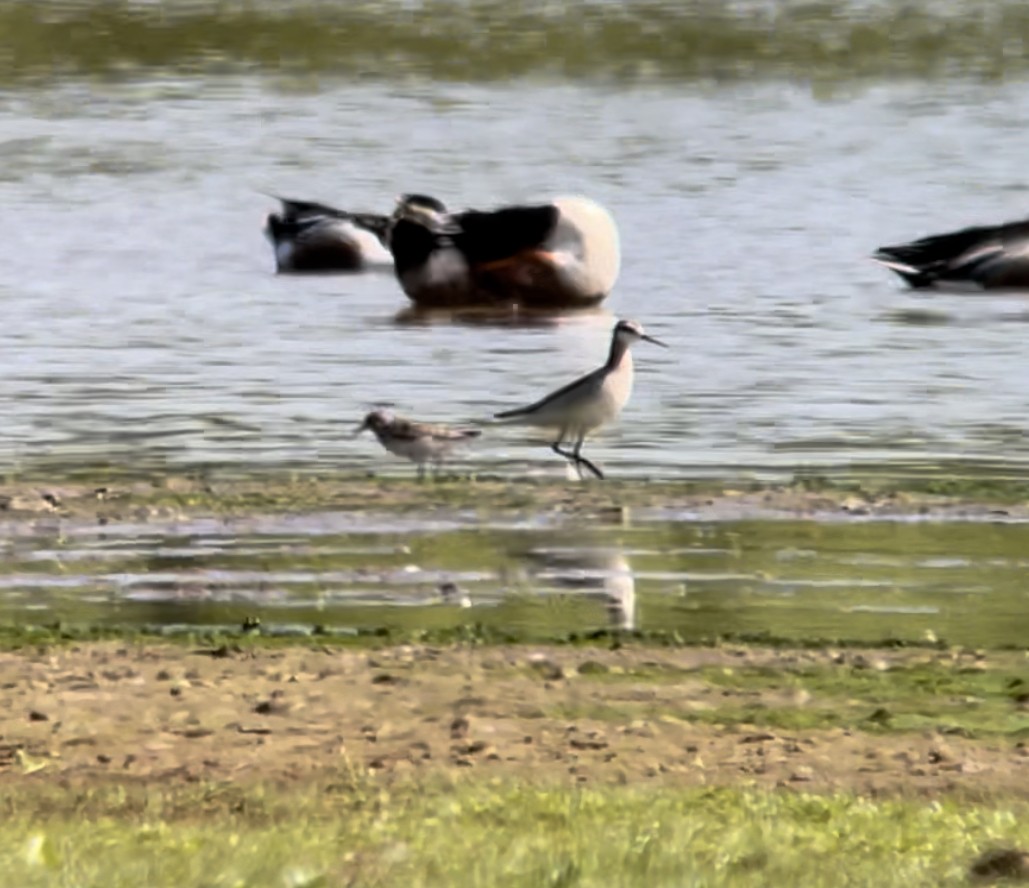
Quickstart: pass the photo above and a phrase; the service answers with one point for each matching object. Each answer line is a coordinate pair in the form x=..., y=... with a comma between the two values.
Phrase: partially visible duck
x=314, y=237
x=986, y=257
x=560, y=254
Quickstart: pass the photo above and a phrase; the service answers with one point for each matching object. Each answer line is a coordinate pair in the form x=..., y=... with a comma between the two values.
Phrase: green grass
x=491, y=834
x=939, y=696
x=489, y=40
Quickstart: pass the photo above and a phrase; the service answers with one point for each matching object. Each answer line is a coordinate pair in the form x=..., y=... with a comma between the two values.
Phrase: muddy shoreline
x=132, y=709
x=159, y=713
x=104, y=497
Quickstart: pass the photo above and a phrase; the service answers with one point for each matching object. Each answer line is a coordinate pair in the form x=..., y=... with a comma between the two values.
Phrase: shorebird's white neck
x=620, y=353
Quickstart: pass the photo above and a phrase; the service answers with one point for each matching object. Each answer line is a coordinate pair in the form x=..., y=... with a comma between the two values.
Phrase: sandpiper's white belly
x=423, y=448
x=418, y=450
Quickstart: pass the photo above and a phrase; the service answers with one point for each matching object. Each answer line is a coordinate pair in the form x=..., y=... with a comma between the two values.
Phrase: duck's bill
x=647, y=338
x=362, y=427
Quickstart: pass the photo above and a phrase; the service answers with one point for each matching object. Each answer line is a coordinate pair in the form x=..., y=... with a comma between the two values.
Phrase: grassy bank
x=494, y=41
x=491, y=834
x=160, y=765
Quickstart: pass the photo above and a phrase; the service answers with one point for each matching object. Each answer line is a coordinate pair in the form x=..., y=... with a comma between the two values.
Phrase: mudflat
x=174, y=714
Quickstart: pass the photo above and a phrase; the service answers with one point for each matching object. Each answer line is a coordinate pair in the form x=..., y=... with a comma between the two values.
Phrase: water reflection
x=602, y=573
x=960, y=580
x=513, y=316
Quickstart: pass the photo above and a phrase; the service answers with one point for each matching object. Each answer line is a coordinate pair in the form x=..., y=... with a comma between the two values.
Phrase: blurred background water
x=753, y=155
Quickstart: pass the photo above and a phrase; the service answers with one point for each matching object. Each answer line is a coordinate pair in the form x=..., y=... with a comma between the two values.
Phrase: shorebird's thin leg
x=581, y=460
x=567, y=454
x=556, y=447
x=421, y=471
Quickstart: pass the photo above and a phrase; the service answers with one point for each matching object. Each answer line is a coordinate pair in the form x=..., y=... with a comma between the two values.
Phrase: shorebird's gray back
x=583, y=405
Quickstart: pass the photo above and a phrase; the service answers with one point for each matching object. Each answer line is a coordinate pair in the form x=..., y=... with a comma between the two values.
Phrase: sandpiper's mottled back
x=420, y=442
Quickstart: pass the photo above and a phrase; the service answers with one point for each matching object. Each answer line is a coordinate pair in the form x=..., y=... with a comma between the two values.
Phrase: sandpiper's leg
x=581, y=460
x=421, y=471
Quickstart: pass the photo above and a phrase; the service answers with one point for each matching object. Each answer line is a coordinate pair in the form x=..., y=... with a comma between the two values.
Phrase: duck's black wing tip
x=375, y=223
x=916, y=278
x=486, y=236
x=294, y=209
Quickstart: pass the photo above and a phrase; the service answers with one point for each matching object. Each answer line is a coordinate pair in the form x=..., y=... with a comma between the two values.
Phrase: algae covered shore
x=651, y=40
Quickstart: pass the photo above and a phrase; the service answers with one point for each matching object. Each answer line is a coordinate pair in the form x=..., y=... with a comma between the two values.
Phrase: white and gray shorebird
x=420, y=442
x=594, y=400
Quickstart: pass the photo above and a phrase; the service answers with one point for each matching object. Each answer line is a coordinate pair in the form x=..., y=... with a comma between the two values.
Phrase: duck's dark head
x=274, y=227
x=421, y=209
x=420, y=226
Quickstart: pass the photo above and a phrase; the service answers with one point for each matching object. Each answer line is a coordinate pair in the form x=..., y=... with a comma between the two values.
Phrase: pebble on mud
x=271, y=707
x=546, y=668
x=1001, y=863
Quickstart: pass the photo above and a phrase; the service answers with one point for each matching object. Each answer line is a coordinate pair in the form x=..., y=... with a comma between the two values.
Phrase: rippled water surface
x=142, y=322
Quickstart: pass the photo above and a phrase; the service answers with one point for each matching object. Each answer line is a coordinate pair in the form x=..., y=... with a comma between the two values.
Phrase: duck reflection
x=602, y=573
x=500, y=316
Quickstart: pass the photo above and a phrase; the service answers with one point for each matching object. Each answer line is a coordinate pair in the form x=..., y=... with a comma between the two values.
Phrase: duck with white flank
x=314, y=237
x=419, y=442
x=560, y=254
x=588, y=403
x=988, y=257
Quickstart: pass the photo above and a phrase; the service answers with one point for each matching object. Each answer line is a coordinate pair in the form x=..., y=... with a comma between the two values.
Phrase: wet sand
x=100, y=497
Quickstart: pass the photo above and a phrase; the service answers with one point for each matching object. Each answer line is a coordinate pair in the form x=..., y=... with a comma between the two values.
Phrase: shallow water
x=908, y=581
x=142, y=322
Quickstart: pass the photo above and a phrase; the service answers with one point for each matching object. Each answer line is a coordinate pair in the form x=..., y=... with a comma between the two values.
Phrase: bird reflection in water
x=602, y=573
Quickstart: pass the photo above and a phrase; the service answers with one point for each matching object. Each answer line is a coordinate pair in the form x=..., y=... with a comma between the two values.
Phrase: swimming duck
x=559, y=254
x=986, y=257
x=314, y=237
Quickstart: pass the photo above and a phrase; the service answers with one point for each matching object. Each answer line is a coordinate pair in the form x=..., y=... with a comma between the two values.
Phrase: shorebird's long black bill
x=647, y=338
